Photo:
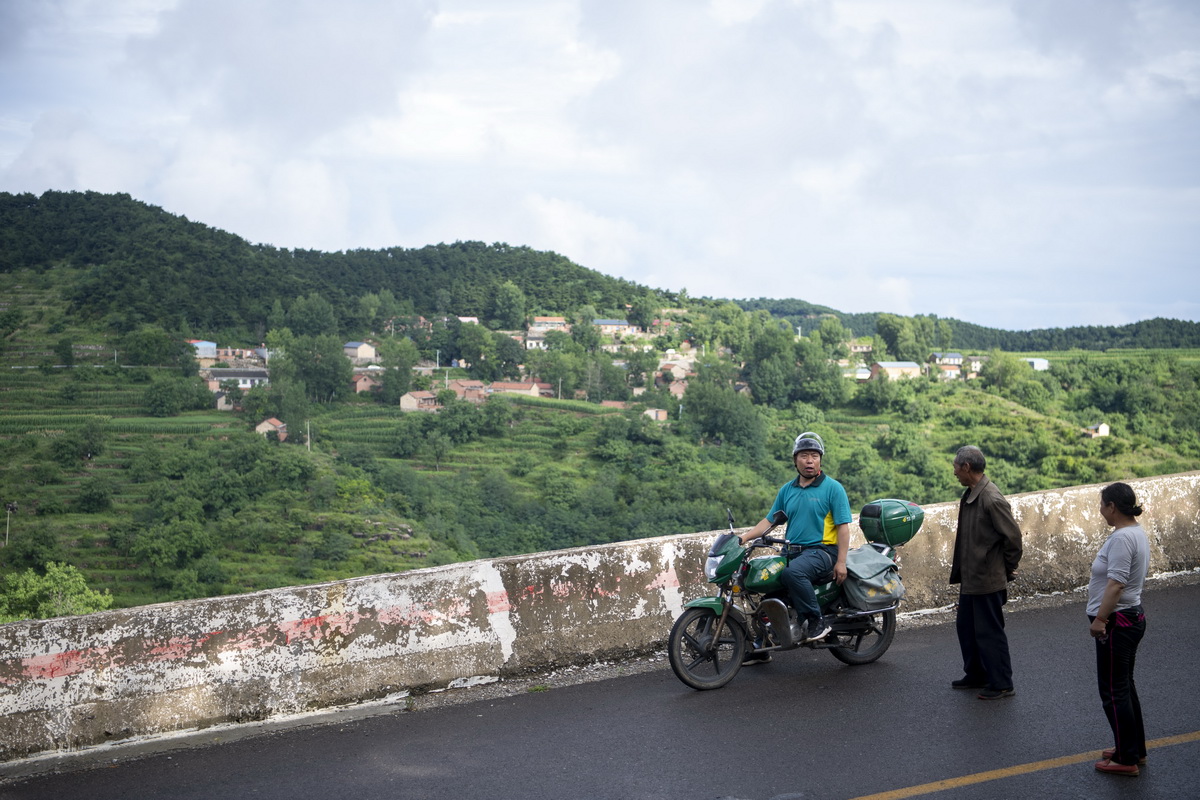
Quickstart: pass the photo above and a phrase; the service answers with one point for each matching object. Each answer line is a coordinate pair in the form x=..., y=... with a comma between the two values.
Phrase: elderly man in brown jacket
x=987, y=549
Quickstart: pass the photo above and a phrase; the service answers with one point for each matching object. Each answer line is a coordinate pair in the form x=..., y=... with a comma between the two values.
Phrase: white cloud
x=984, y=160
x=569, y=228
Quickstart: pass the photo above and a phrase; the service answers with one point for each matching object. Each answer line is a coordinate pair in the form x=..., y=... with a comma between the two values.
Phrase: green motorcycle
x=751, y=615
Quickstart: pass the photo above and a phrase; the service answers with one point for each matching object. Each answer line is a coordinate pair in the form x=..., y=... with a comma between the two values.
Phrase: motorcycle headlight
x=711, y=564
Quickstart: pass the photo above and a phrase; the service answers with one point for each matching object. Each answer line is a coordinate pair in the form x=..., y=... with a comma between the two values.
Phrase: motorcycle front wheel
x=696, y=659
x=867, y=643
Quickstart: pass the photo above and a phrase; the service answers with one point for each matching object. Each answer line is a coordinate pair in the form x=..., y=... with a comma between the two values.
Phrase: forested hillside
x=141, y=265
x=138, y=264
x=1170, y=333
x=126, y=486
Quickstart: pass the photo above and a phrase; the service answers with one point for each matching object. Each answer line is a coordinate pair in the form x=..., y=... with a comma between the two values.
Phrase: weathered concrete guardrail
x=78, y=681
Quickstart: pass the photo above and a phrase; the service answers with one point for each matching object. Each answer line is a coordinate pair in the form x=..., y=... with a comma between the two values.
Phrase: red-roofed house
x=272, y=425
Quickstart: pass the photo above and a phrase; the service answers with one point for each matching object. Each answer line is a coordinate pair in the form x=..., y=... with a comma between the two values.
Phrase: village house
x=949, y=372
x=470, y=390
x=1038, y=364
x=544, y=324
x=972, y=364
x=240, y=357
x=359, y=352
x=535, y=340
x=676, y=370
x=1098, y=430
x=677, y=388
x=364, y=381
x=657, y=414
x=860, y=373
x=245, y=379
x=204, y=349
x=272, y=425
x=893, y=370
x=420, y=401
x=953, y=359
x=614, y=327
x=512, y=387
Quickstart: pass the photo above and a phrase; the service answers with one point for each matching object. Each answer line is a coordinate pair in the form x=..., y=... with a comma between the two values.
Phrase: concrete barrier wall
x=78, y=681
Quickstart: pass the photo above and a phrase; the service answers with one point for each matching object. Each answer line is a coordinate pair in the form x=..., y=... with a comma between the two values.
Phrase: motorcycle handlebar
x=767, y=539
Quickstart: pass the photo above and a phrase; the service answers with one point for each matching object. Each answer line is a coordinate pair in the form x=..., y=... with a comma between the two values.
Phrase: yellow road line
x=1020, y=769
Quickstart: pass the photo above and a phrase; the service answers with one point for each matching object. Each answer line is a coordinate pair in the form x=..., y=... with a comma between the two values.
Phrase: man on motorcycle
x=819, y=522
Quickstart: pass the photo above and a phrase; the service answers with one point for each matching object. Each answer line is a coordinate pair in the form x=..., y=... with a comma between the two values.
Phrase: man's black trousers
x=981, y=637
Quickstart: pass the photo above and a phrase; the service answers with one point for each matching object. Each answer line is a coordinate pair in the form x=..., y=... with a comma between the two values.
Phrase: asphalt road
x=804, y=726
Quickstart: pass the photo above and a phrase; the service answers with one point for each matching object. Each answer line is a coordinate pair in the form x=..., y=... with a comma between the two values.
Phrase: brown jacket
x=987, y=547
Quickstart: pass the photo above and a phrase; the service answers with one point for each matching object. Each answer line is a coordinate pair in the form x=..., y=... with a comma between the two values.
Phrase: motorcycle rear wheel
x=868, y=644
x=694, y=660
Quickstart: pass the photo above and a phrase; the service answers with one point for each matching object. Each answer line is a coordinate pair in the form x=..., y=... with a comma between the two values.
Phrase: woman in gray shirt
x=1118, y=624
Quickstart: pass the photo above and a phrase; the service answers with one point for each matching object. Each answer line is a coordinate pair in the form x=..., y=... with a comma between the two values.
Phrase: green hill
x=118, y=465
x=134, y=264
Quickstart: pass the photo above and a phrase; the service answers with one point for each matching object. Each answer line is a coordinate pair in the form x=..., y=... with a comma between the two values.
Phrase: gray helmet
x=808, y=441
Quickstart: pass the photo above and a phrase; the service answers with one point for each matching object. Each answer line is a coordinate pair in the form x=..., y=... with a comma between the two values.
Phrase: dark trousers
x=981, y=637
x=1118, y=693
x=812, y=564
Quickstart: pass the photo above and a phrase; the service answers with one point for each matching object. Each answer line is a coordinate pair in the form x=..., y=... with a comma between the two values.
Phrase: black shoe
x=996, y=694
x=967, y=683
x=817, y=629
x=756, y=658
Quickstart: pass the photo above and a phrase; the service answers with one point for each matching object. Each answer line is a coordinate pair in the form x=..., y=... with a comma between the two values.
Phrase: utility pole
x=9, y=508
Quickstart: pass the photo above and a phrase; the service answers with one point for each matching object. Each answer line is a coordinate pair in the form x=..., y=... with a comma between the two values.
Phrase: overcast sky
x=1014, y=163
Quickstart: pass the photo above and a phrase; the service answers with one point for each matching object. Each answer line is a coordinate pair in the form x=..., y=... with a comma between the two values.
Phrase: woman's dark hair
x=1121, y=495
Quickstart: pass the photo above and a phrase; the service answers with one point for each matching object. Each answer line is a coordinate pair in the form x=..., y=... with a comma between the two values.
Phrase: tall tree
x=833, y=338
x=586, y=335
x=399, y=355
x=312, y=316
x=321, y=363
x=509, y=355
x=508, y=306
x=643, y=311
x=476, y=346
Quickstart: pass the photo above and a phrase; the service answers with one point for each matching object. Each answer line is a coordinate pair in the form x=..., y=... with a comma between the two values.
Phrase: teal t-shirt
x=814, y=511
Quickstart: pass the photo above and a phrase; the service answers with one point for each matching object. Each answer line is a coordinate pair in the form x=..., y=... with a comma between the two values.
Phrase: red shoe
x=1113, y=768
x=1112, y=751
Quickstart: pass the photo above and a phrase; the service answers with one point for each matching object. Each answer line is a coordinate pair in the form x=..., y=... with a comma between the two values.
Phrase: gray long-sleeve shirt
x=987, y=547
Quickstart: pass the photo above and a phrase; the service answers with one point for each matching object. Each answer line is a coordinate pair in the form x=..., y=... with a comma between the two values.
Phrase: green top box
x=890, y=522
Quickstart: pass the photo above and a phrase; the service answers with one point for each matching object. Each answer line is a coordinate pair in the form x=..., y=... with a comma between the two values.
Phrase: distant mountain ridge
x=144, y=265
x=140, y=264
x=1158, y=332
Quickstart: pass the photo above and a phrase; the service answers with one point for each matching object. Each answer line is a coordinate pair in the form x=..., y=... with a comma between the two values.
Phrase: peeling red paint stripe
x=308, y=629
x=498, y=602
x=58, y=665
x=665, y=580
